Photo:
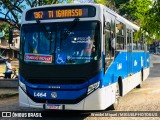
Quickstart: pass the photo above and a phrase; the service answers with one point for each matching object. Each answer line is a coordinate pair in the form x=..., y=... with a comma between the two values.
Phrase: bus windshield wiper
x=49, y=37
x=71, y=26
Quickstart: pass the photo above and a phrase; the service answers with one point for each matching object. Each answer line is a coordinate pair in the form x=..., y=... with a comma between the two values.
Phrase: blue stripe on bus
x=124, y=64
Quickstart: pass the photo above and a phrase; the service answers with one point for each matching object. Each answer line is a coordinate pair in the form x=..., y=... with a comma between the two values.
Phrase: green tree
x=119, y=2
x=139, y=12
x=135, y=10
x=151, y=23
x=115, y=4
x=103, y=2
x=5, y=29
x=10, y=11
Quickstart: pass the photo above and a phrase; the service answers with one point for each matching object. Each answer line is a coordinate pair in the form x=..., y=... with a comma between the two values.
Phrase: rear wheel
x=115, y=105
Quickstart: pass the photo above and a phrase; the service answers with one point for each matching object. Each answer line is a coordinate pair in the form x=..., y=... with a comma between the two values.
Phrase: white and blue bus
x=78, y=57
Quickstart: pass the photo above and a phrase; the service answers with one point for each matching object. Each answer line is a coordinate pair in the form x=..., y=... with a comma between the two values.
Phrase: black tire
x=115, y=105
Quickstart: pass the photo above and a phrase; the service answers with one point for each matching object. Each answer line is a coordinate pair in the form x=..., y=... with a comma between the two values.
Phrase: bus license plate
x=54, y=107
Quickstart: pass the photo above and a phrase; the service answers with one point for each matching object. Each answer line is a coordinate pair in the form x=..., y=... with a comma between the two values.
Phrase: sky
x=4, y=11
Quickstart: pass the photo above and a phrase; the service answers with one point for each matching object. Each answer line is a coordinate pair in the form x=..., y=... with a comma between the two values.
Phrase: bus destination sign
x=59, y=13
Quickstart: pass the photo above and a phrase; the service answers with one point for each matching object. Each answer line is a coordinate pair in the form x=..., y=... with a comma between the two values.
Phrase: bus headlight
x=93, y=87
x=22, y=85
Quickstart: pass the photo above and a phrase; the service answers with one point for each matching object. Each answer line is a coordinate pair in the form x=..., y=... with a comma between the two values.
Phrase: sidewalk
x=7, y=86
x=5, y=92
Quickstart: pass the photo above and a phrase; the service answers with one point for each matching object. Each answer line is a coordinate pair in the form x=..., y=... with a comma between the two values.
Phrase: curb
x=2, y=96
x=9, y=83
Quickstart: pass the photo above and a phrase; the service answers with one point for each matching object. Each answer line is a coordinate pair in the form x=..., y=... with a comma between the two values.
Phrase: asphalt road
x=144, y=99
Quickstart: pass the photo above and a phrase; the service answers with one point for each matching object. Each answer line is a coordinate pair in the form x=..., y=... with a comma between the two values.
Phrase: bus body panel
x=120, y=66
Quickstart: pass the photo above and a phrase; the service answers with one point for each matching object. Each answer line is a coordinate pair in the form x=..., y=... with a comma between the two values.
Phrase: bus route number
x=40, y=94
x=38, y=15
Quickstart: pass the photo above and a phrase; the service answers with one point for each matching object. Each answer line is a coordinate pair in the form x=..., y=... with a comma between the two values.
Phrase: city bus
x=78, y=57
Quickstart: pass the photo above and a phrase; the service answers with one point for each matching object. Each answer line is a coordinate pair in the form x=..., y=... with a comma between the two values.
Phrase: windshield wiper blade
x=49, y=37
x=71, y=26
x=46, y=31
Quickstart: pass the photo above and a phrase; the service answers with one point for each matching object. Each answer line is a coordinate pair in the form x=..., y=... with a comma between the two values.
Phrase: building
x=15, y=44
x=9, y=50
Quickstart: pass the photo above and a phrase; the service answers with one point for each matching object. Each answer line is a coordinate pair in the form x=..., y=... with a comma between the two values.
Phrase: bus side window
x=135, y=42
x=142, y=43
x=120, y=36
x=129, y=40
x=138, y=45
x=109, y=44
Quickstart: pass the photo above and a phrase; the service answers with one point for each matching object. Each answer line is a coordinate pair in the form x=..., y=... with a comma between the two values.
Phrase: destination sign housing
x=60, y=12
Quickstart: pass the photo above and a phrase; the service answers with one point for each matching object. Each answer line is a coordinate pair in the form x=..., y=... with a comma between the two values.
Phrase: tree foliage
x=142, y=13
x=151, y=23
x=119, y=2
x=5, y=28
x=115, y=4
x=10, y=10
x=136, y=9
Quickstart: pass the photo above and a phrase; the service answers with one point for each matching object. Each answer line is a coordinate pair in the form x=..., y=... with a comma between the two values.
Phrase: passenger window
x=120, y=36
x=129, y=40
x=109, y=48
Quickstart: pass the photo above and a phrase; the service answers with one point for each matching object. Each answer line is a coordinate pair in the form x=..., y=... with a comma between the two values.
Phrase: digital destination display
x=60, y=12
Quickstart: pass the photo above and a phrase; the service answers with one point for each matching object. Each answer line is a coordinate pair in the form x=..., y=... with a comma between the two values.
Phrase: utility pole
x=10, y=36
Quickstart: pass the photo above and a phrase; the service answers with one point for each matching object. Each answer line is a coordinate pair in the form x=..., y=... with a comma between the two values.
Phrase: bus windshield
x=61, y=43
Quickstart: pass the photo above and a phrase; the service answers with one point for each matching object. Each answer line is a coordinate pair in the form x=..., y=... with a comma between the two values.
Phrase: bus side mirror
x=10, y=36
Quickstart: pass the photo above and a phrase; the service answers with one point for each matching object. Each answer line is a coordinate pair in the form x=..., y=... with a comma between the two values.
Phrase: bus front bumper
x=100, y=99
